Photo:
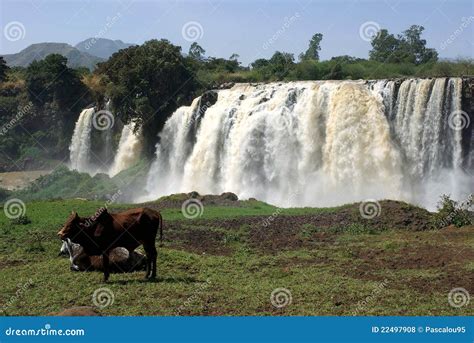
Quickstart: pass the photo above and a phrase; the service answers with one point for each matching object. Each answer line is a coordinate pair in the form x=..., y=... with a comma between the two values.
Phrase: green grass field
x=227, y=262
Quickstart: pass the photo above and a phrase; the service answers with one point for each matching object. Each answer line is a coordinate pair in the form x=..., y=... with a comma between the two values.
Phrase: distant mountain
x=39, y=51
x=101, y=47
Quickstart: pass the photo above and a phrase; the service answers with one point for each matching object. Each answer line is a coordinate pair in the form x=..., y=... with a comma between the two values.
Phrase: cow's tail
x=160, y=224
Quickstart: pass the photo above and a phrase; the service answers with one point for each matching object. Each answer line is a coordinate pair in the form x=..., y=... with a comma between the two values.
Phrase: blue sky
x=253, y=29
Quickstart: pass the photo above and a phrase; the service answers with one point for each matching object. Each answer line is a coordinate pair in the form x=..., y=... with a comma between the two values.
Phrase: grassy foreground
x=229, y=261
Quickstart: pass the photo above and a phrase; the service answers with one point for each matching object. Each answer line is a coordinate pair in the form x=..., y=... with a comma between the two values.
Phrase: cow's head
x=71, y=228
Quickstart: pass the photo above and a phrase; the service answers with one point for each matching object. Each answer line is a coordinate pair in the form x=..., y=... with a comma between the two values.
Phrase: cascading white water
x=108, y=135
x=317, y=143
x=80, y=147
x=128, y=151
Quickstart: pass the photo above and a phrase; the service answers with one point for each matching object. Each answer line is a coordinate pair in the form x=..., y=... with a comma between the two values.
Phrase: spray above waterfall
x=318, y=143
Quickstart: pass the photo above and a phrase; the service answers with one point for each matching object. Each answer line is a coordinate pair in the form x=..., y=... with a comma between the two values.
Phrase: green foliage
x=3, y=69
x=451, y=212
x=314, y=47
x=64, y=183
x=196, y=51
x=38, y=108
x=408, y=47
x=277, y=67
x=51, y=80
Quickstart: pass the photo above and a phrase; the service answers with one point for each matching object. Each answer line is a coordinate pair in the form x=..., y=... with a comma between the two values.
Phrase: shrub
x=451, y=212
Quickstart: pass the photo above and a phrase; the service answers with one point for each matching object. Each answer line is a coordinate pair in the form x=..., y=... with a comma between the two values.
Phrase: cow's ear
x=98, y=230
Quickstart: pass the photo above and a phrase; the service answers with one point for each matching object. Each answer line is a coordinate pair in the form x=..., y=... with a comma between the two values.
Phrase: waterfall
x=80, y=148
x=317, y=143
x=128, y=151
x=108, y=136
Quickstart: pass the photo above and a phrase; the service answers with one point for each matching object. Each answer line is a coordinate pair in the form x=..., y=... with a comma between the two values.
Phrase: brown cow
x=105, y=231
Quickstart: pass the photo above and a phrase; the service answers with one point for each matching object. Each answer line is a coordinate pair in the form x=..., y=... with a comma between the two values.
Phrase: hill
x=39, y=51
x=101, y=47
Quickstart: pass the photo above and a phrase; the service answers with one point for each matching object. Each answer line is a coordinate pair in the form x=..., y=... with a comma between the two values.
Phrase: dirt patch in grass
x=444, y=261
x=417, y=257
x=11, y=263
x=286, y=233
x=278, y=232
x=443, y=283
x=197, y=240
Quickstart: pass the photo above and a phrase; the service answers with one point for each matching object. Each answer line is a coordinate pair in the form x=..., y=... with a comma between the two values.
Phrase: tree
x=234, y=57
x=52, y=81
x=314, y=47
x=415, y=47
x=196, y=51
x=3, y=69
x=57, y=95
x=259, y=63
x=281, y=63
x=384, y=46
x=408, y=47
x=147, y=83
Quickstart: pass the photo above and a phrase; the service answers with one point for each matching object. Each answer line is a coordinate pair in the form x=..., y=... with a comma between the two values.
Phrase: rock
x=209, y=98
x=193, y=194
x=226, y=85
x=229, y=196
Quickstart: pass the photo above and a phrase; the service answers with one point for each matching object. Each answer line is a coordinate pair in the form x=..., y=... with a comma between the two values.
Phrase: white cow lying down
x=121, y=260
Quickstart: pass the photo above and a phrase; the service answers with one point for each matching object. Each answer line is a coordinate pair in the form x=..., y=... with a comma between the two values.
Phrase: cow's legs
x=105, y=262
x=151, y=255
